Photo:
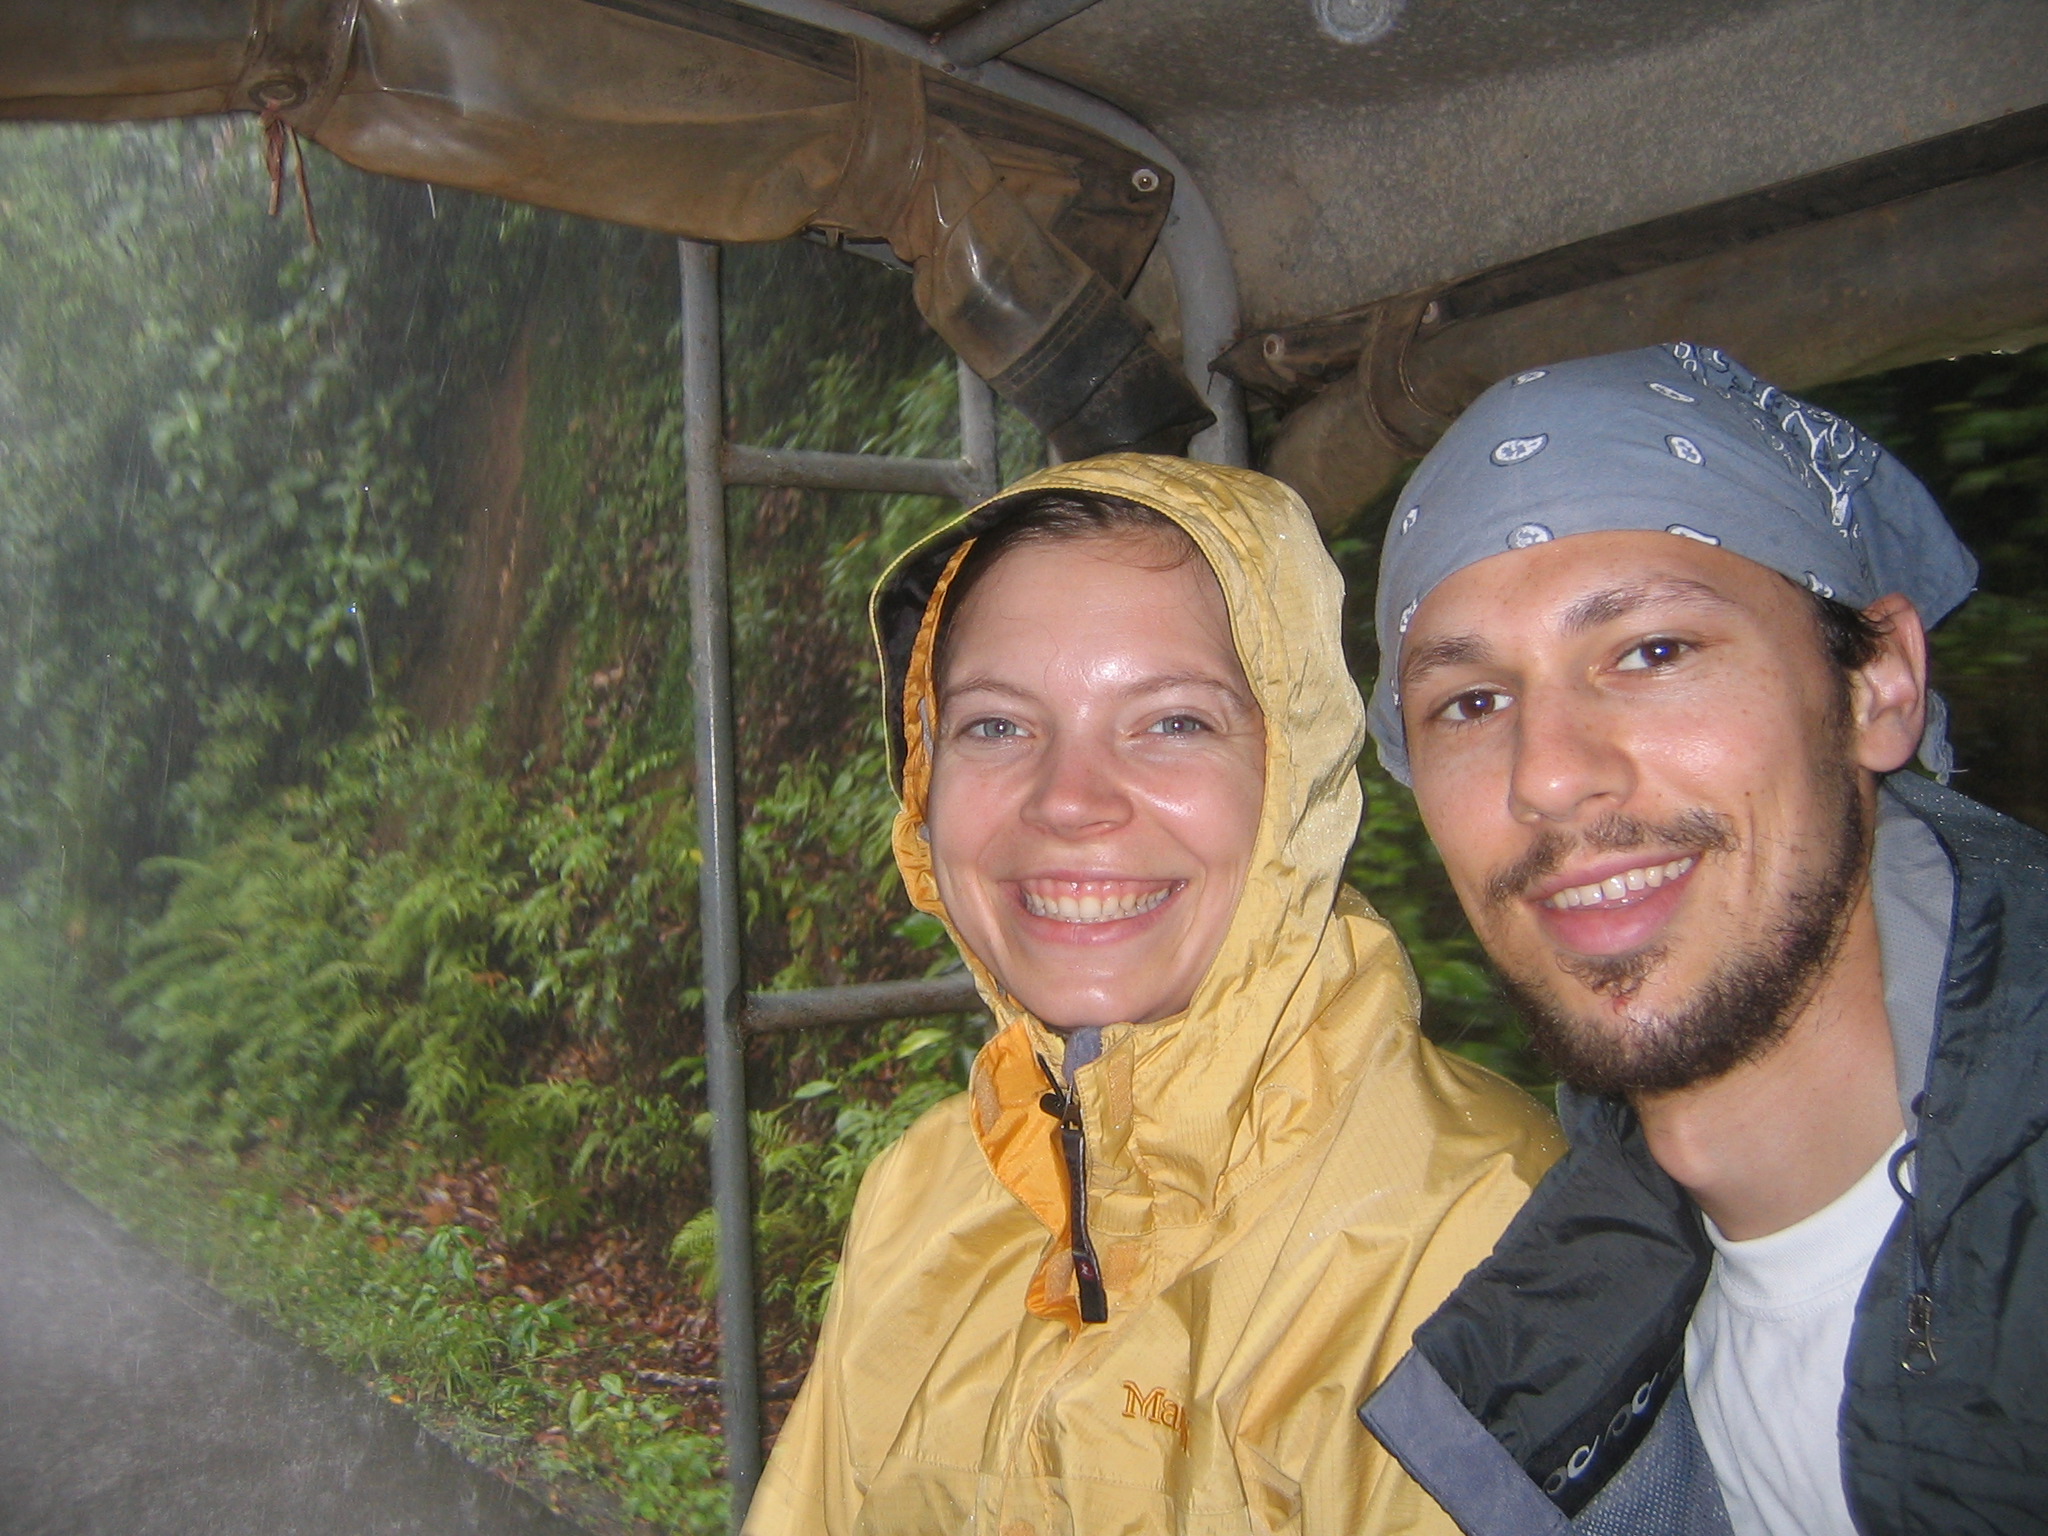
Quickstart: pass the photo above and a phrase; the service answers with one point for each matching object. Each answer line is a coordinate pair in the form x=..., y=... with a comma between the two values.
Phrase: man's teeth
x=1614, y=887
x=1094, y=909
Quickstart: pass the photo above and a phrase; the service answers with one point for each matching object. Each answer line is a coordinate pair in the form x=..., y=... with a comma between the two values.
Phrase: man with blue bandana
x=1654, y=661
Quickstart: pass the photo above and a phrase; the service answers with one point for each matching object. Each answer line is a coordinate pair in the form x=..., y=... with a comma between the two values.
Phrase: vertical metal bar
x=718, y=881
x=979, y=452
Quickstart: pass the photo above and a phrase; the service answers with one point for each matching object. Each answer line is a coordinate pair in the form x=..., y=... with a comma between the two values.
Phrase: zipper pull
x=1064, y=1107
x=1920, y=1357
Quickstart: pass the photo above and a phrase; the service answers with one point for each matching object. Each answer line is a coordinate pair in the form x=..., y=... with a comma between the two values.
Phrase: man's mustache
x=1695, y=831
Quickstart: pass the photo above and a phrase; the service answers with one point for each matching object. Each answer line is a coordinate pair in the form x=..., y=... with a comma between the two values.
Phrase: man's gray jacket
x=1546, y=1395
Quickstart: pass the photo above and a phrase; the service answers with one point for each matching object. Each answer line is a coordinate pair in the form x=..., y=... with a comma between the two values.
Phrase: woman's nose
x=1568, y=760
x=1078, y=789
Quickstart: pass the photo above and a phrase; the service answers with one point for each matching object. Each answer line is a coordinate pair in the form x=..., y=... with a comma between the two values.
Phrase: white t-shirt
x=1765, y=1355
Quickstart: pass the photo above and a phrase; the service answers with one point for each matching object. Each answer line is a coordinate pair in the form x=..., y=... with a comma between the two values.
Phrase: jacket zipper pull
x=1919, y=1357
x=1063, y=1106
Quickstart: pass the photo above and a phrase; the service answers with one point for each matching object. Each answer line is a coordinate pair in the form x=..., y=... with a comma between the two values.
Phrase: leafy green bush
x=298, y=973
x=806, y=1184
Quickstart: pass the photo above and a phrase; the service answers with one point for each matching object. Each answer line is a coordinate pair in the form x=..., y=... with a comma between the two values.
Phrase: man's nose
x=1568, y=761
x=1078, y=790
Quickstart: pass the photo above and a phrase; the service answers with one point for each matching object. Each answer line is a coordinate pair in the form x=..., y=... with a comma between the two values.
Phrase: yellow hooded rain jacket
x=1281, y=1182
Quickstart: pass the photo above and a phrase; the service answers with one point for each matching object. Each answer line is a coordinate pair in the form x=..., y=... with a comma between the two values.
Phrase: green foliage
x=483, y=941
x=250, y=987
x=670, y=1476
x=280, y=554
x=298, y=974
x=806, y=1184
x=239, y=731
x=1976, y=430
x=312, y=969
x=231, y=467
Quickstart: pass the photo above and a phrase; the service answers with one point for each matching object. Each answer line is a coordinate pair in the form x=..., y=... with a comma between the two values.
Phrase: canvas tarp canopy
x=698, y=119
x=1411, y=198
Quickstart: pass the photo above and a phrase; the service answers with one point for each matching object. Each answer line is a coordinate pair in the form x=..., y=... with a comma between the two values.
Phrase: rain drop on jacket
x=1281, y=1182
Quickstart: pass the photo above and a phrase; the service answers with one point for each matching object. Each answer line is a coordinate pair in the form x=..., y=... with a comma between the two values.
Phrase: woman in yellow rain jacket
x=1208, y=1176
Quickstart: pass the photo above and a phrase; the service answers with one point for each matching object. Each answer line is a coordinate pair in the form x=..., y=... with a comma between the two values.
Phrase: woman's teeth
x=1615, y=887
x=1095, y=909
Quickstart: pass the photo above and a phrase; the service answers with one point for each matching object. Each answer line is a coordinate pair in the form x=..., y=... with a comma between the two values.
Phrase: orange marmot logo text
x=1156, y=1407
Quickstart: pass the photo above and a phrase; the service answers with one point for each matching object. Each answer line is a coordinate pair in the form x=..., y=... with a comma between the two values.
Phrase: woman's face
x=1098, y=778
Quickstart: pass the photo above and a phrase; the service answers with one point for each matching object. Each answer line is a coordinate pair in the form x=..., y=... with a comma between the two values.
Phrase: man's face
x=1098, y=778
x=1643, y=773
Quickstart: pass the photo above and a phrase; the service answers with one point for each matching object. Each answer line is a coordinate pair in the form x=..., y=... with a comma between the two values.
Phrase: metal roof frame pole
x=981, y=466
x=1002, y=26
x=719, y=873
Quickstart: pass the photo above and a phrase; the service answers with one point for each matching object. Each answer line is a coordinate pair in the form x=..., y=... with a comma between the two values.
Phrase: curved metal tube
x=1203, y=274
x=1005, y=24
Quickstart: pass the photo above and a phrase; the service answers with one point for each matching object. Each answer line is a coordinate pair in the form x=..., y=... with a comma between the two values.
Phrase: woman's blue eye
x=991, y=730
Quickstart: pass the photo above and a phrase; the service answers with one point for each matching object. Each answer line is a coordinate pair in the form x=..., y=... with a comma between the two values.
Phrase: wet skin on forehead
x=1097, y=779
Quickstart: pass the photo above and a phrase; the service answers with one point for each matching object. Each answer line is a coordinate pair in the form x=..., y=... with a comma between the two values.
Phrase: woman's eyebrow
x=981, y=684
x=1155, y=682
x=1160, y=682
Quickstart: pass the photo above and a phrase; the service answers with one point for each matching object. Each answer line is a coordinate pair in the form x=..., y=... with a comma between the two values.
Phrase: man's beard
x=1744, y=1007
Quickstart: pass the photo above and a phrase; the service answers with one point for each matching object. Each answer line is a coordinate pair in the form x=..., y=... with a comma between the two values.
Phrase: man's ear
x=1888, y=694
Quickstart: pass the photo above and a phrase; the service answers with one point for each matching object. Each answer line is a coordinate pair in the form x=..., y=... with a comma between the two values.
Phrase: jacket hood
x=1247, y=1077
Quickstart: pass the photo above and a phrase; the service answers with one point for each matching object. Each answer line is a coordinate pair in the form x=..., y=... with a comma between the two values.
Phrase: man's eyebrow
x=1444, y=651
x=1589, y=612
x=1597, y=608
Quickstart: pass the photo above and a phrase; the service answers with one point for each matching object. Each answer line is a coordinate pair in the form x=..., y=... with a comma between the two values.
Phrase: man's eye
x=1651, y=655
x=1180, y=725
x=993, y=728
x=1478, y=704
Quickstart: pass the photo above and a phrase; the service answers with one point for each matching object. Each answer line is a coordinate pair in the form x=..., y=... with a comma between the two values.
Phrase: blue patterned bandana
x=1682, y=439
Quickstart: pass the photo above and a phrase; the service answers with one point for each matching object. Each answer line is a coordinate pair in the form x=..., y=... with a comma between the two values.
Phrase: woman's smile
x=1095, y=903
